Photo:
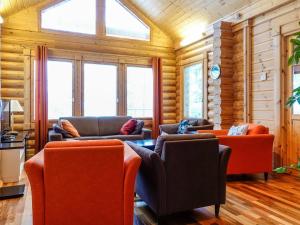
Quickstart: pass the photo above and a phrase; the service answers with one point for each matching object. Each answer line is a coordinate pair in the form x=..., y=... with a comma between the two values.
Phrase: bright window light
x=193, y=91
x=60, y=89
x=71, y=15
x=100, y=90
x=120, y=22
x=139, y=92
x=296, y=83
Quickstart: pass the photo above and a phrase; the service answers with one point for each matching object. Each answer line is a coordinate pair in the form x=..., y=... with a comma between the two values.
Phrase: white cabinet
x=12, y=162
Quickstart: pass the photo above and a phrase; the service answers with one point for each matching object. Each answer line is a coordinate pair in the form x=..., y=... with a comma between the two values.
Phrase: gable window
x=193, y=91
x=120, y=22
x=73, y=16
x=139, y=91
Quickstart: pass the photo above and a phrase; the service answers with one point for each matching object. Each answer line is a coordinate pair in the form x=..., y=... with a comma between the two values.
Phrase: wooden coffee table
x=147, y=143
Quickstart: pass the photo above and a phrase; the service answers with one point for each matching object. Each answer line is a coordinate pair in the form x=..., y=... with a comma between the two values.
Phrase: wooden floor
x=249, y=201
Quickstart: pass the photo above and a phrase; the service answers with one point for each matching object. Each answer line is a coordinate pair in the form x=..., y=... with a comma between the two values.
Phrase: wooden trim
x=205, y=85
x=27, y=88
x=247, y=48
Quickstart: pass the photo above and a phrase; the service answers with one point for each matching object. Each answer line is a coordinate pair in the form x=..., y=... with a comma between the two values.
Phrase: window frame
x=125, y=89
x=204, y=87
x=100, y=23
x=78, y=59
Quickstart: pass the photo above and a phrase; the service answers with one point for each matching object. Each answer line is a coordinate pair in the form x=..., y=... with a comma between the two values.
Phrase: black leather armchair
x=182, y=173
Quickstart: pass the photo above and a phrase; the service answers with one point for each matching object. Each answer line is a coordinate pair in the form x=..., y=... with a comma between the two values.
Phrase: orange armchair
x=83, y=182
x=251, y=153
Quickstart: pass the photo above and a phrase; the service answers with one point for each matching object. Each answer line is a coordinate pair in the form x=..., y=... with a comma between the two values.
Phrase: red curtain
x=157, y=117
x=41, y=98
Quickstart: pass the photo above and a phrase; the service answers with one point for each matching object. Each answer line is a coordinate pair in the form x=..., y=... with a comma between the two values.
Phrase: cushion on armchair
x=139, y=127
x=182, y=126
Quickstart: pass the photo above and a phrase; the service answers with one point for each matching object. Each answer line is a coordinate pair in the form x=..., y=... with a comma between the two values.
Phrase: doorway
x=292, y=114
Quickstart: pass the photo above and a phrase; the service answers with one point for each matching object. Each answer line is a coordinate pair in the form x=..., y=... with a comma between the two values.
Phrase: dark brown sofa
x=95, y=128
x=183, y=172
x=201, y=124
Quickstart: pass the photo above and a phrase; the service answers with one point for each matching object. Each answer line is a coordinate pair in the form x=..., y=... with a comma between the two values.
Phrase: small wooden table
x=147, y=143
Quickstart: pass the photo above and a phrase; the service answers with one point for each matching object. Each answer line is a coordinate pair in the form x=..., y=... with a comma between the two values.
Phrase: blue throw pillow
x=59, y=130
x=182, y=126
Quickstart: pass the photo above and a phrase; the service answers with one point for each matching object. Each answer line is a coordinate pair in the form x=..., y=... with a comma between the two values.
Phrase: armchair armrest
x=215, y=132
x=151, y=179
x=169, y=128
x=224, y=154
x=131, y=165
x=147, y=133
x=53, y=136
x=34, y=168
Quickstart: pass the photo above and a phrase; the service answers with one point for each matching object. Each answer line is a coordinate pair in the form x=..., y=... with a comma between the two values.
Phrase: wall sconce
x=1, y=19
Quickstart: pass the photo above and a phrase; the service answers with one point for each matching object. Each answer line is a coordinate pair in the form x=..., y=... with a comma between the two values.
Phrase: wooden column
x=223, y=87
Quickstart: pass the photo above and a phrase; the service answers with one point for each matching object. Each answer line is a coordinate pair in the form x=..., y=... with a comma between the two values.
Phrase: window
x=73, y=15
x=121, y=22
x=100, y=90
x=296, y=84
x=139, y=91
x=60, y=89
x=193, y=91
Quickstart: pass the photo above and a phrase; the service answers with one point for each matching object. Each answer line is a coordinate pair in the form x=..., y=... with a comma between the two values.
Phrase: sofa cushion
x=60, y=130
x=139, y=127
x=111, y=125
x=257, y=129
x=86, y=126
x=238, y=130
x=182, y=126
x=128, y=127
x=177, y=137
x=68, y=127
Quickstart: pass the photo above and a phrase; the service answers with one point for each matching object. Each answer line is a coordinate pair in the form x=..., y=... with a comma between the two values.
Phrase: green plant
x=294, y=59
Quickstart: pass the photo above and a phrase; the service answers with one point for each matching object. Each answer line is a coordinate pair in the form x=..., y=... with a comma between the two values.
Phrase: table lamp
x=15, y=106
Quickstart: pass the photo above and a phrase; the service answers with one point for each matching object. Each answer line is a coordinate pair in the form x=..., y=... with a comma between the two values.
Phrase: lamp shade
x=15, y=106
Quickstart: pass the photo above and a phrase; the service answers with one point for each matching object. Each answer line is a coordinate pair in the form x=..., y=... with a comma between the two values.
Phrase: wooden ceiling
x=8, y=7
x=178, y=18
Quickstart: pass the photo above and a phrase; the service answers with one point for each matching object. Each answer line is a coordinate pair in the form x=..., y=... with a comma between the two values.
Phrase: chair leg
x=266, y=175
x=217, y=210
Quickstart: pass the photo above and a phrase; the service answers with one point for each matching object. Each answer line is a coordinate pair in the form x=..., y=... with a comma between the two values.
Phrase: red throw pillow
x=128, y=127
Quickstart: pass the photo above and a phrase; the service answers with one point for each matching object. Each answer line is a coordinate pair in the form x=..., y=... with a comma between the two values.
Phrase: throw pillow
x=139, y=127
x=193, y=122
x=59, y=130
x=128, y=127
x=68, y=126
x=182, y=126
x=164, y=133
x=238, y=130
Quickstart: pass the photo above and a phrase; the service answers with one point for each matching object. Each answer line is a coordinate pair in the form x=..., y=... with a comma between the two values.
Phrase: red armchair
x=83, y=182
x=251, y=153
